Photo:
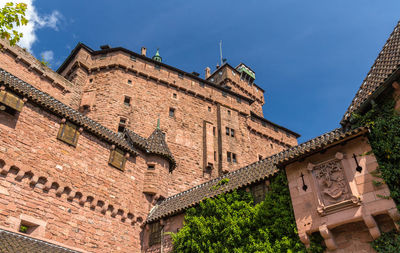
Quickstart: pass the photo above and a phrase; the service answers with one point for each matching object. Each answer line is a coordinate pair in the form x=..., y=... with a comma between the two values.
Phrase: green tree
x=231, y=222
x=12, y=16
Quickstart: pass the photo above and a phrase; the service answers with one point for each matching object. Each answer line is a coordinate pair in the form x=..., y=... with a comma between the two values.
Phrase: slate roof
x=53, y=105
x=385, y=64
x=155, y=144
x=11, y=242
x=248, y=175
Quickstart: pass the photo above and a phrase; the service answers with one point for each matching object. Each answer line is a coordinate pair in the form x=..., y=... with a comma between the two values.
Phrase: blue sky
x=310, y=57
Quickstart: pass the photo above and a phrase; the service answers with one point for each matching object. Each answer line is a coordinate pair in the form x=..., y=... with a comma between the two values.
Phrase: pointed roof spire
x=157, y=56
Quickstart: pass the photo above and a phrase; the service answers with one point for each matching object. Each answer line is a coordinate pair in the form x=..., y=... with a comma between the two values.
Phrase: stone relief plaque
x=332, y=185
x=333, y=188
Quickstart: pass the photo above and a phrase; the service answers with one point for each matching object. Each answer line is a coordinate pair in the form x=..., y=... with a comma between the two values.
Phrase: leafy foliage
x=384, y=138
x=10, y=17
x=231, y=222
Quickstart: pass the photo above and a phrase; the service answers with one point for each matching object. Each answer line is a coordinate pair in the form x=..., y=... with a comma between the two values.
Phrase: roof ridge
x=385, y=63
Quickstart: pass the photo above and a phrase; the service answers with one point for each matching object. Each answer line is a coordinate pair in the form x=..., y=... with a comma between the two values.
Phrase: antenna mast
x=220, y=50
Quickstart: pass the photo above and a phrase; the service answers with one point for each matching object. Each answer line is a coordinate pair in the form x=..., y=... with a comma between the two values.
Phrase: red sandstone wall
x=20, y=63
x=114, y=76
x=32, y=158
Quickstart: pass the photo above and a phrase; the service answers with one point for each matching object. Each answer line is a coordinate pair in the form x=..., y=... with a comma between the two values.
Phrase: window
x=229, y=112
x=180, y=75
x=133, y=58
x=231, y=157
x=272, y=146
x=260, y=157
x=171, y=112
x=239, y=100
x=215, y=155
x=227, y=131
x=10, y=103
x=91, y=80
x=174, y=95
x=275, y=129
x=232, y=133
x=263, y=124
x=121, y=125
x=129, y=81
x=127, y=101
x=224, y=93
x=117, y=159
x=234, y=158
x=27, y=227
x=220, y=73
x=157, y=67
x=155, y=233
x=214, y=131
x=209, y=109
x=151, y=167
x=68, y=133
x=202, y=84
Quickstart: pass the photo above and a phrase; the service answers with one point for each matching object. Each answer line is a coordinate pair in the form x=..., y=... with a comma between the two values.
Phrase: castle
x=107, y=153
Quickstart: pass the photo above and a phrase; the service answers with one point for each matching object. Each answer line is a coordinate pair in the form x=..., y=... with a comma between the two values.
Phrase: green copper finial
x=157, y=56
x=158, y=122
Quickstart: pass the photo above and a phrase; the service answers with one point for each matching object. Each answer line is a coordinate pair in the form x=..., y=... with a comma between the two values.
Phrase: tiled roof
x=53, y=105
x=16, y=243
x=155, y=144
x=247, y=175
x=385, y=64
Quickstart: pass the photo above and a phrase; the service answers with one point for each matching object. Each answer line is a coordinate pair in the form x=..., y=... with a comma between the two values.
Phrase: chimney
x=144, y=51
x=208, y=72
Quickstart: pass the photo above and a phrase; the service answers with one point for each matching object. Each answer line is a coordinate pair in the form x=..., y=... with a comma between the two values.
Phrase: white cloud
x=36, y=21
x=48, y=55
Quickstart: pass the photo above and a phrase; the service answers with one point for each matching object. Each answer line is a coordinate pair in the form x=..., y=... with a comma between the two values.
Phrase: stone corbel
x=305, y=239
x=372, y=226
x=395, y=215
x=328, y=237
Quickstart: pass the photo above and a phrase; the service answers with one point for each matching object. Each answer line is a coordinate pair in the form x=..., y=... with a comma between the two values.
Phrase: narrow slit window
x=127, y=101
x=232, y=133
x=151, y=167
x=171, y=112
x=129, y=81
x=121, y=125
x=228, y=157
x=227, y=131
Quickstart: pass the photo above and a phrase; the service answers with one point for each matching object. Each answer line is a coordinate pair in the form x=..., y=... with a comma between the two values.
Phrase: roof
x=250, y=174
x=385, y=64
x=53, y=105
x=116, y=49
x=226, y=64
x=18, y=243
x=274, y=124
x=155, y=144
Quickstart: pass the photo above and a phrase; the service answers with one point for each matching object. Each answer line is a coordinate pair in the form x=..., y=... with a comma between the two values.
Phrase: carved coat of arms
x=332, y=184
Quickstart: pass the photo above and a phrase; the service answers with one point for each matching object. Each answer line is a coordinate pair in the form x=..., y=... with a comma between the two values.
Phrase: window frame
x=64, y=128
x=111, y=160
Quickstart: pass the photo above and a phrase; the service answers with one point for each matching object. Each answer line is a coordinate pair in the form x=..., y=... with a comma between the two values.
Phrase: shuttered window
x=117, y=159
x=155, y=233
x=10, y=101
x=69, y=133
